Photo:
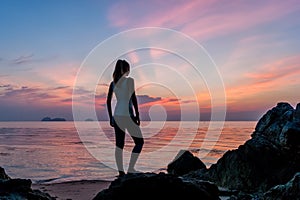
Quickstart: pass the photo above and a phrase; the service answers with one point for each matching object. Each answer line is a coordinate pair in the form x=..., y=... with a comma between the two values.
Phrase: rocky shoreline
x=265, y=167
x=15, y=189
x=271, y=157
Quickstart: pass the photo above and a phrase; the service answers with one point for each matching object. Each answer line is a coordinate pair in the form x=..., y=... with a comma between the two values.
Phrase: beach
x=75, y=190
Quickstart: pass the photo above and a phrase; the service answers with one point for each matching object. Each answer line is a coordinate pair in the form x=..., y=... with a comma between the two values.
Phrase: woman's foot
x=121, y=174
x=133, y=171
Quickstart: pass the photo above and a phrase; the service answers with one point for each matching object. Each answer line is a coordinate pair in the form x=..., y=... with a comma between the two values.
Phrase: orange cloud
x=279, y=69
x=259, y=87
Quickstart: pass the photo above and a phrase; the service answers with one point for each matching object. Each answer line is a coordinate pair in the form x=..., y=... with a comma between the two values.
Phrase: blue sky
x=255, y=45
x=66, y=29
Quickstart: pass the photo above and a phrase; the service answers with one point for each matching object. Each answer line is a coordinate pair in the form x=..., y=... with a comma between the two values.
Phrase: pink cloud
x=34, y=95
x=62, y=74
x=133, y=57
x=238, y=17
x=162, y=13
x=119, y=14
x=247, y=51
x=157, y=53
x=201, y=19
x=280, y=69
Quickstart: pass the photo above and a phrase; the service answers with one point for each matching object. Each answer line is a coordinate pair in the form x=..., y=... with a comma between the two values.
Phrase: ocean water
x=48, y=152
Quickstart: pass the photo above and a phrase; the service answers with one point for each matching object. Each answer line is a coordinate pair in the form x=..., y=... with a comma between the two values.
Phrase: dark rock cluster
x=271, y=157
x=158, y=186
x=266, y=167
x=15, y=189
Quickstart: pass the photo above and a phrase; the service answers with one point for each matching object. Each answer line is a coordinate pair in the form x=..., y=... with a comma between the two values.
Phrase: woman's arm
x=134, y=102
x=108, y=103
x=136, y=108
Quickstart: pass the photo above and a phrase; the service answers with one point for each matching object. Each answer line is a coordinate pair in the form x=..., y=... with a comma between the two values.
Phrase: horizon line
x=108, y=120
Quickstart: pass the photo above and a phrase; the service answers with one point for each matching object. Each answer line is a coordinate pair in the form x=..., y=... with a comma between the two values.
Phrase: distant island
x=89, y=120
x=57, y=119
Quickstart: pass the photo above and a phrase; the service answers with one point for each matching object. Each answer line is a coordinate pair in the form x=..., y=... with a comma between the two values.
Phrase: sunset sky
x=254, y=44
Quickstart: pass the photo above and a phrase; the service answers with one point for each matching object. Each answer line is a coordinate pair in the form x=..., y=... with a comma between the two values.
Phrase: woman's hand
x=112, y=122
x=137, y=120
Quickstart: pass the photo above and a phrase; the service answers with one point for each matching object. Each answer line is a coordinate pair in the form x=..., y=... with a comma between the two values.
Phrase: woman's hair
x=122, y=66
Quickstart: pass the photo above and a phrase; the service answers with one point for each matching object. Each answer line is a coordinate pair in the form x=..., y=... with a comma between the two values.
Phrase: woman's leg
x=120, y=141
x=135, y=153
x=136, y=134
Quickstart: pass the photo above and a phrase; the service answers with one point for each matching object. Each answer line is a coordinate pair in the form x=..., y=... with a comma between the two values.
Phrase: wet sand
x=75, y=190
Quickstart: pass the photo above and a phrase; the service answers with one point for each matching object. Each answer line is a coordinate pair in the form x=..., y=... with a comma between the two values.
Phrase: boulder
x=296, y=116
x=290, y=190
x=184, y=163
x=287, y=191
x=19, y=189
x=272, y=123
x=269, y=158
x=158, y=186
x=289, y=136
x=3, y=175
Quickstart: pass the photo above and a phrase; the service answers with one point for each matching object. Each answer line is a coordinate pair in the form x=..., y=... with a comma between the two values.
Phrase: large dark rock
x=273, y=115
x=290, y=190
x=11, y=189
x=3, y=175
x=185, y=162
x=158, y=186
x=269, y=158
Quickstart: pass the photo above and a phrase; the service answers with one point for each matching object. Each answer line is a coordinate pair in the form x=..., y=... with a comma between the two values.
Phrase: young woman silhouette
x=124, y=118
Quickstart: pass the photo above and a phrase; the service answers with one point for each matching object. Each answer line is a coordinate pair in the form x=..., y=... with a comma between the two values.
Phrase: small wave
x=217, y=151
x=11, y=148
x=69, y=180
x=60, y=179
x=45, y=181
x=81, y=143
x=160, y=170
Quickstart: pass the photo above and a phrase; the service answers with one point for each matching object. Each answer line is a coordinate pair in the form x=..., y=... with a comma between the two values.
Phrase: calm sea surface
x=64, y=151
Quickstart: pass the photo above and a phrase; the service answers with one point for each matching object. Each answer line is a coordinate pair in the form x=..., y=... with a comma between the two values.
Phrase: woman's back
x=123, y=91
